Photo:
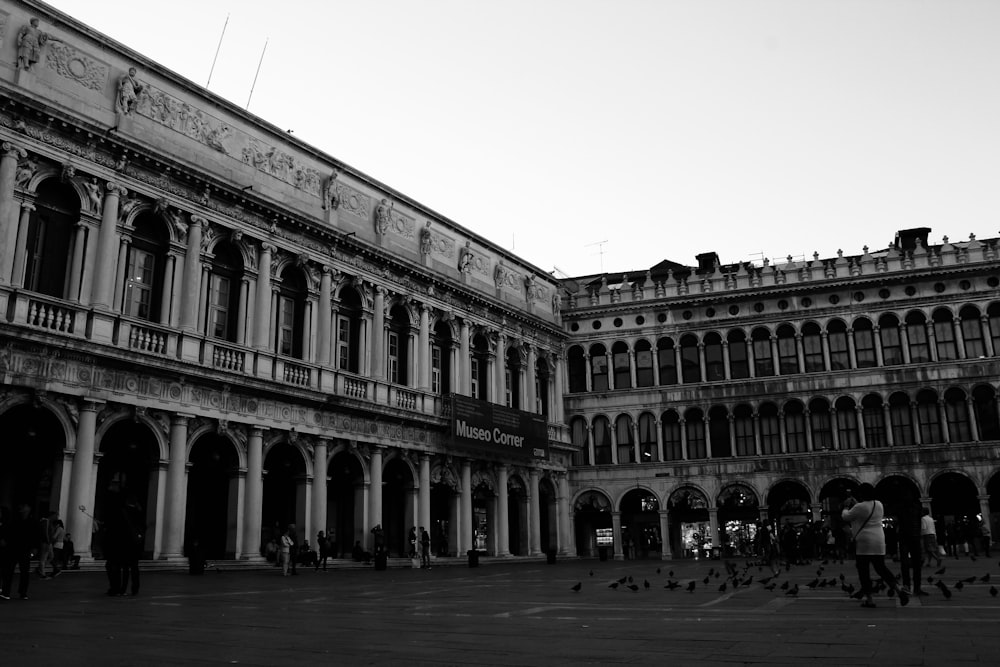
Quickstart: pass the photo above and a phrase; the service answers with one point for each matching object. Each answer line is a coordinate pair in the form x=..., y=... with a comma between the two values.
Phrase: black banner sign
x=498, y=430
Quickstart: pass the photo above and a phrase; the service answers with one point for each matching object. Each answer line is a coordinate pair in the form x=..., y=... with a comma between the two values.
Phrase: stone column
x=503, y=521
x=176, y=497
x=713, y=520
x=191, y=285
x=567, y=545
x=616, y=530
x=970, y=407
x=107, y=249
x=324, y=315
x=378, y=335
x=424, y=351
x=79, y=521
x=262, y=309
x=21, y=253
x=9, y=154
x=375, y=492
x=254, y=494
x=987, y=339
x=531, y=400
x=665, y=551
x=76, y=263
x=424, y=496
x=726, y=370
x=464, y=363
x=320, y=449
x=465, y=528
x=534, y=514
x=862, y=438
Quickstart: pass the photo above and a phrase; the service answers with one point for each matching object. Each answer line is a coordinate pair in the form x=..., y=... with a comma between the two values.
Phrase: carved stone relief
x=67, y=62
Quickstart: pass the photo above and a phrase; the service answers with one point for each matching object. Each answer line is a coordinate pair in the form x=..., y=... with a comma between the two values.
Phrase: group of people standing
x=23, y=539
x=420, y=537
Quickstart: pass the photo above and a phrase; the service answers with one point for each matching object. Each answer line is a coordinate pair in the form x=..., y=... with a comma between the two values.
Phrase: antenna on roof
x=217, y=51
x=600, y=251
x=254, y=85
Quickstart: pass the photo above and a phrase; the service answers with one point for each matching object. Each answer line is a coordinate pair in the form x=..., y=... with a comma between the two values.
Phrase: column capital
x=8, y=149
x=115, y=189
x=27, y=206
x=198, y=220
x=268, y=247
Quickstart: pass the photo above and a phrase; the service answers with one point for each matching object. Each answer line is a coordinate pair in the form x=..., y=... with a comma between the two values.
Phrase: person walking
x=425, y=548
x=322, y=550
x=45, y=552
x=865, y=516
x=294, y=549
x=987, y=536
x=18, y=538
x=286, y=551
x=58, y=539
x=928, y=538
x=910, y=544
x=133, y=541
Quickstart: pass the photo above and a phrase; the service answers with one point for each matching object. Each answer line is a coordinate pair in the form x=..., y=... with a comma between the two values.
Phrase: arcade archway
x=690, y=527
x=592, y=520
x=640, y=525
x=345, y=503
x=739, y=516
x=212, y=497
x=129, y=460
x=31, y=459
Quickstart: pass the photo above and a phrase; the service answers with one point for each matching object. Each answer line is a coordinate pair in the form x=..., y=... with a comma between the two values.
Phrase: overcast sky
x=591, y=135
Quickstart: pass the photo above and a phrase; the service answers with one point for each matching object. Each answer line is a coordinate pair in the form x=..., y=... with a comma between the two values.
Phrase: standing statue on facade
x=465, y=260
x=94, y=195
x=128, y=92
x=383, y=216
x=425, y=239
x=30, y=41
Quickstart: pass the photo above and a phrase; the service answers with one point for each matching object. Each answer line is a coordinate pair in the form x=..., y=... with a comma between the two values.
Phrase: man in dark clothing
x=19, y=538
x=114, y=538
x=425, y=548
x=910, y=545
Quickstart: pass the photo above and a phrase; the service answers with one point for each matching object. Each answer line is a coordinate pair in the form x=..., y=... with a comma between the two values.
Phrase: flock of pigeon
x=732, y=577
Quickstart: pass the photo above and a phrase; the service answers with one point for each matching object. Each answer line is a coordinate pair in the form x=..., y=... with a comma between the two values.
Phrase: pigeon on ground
x=645, y=584
x=941, y=571
x=630, y=578
x=770, y=587
x=657, y=570
x=959, y=585
x=613, y=584
x=690, y=588
x=993, y=591
x=944, y=589
x=623, y=580
x=670, y=574
x=671, y=585
x=985, y=578
x=705, y=580
x=969, y=580
x=794, y=590
x=632, y=587
x=722, y=588
x=576, y=588
x=591, y=573
x=785, y=585
x=813, y=584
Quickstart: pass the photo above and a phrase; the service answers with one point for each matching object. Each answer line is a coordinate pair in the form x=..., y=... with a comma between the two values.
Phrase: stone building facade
x=243, y=332
x=704, y=400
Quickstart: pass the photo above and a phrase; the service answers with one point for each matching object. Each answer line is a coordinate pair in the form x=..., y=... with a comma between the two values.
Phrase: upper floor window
x=864, y=344
x=291, y=333
x=512, y=376
x=643, y=364
x=944, y=335
x=763, y=362
x=836, y=339
x=715, y=366
x=916, y=332
x=50, y=239
x=788, y=356
x=398, y=346
x=144, y=279
x=349, y=327
x=224, y=292
x=667, y=360
x=647, y=439
x=623, y=371
x=812, y=348
x=892, y=345
x=599, y=368
x=739, y=363
x=576, y=368
x=436, y=364
x=690, y=361
x=972, y=333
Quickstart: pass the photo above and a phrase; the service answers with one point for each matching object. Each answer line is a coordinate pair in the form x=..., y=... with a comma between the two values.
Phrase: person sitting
x=70, y=560
x=307, y=555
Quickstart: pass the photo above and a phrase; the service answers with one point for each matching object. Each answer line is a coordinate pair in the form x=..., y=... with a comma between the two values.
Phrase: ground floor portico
x=696, y=511
x=232, y=484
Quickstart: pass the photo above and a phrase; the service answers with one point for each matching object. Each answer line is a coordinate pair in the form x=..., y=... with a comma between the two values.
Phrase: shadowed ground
x=504, y=614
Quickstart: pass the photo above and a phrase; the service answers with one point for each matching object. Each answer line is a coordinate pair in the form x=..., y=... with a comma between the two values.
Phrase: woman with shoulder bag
x=865, y=517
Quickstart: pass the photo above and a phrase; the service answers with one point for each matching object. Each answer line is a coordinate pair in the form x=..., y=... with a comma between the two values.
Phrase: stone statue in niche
x=93, y=195
x=383, y=216
x=425, y=239
x=465, y=259
x=329, y=196
x=499, y=276
x=30, y=41
x=529, y=287
x=129, y=89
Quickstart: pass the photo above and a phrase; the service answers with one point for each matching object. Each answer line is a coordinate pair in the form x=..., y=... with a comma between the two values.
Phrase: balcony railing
x=51, y=316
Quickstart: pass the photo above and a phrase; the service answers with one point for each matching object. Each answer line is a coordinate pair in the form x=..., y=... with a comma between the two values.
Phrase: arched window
x=542, y=378
x=290, y=330
x=442, y=345
x=715, y=367
x=987, y=418
x=739, y=364
x=993, y=313
x=928, y=417
x=623, y=371
x=795, y=427
x=743, y=425
x=788, y=356
x=957, y=411
x=667, y=359
x=647, y=439
x=576, y=368
x=643, y=364
x=770, y=429
x=916, y=334
x=479, y=367
x=599, y=368
x=625, y=441
x=694, y=426
x=892, y=346
x=512, y=378
x=50, y=241
x=944, y=335
x=398, y=346
x=224, y=281
x=972, y=333
x=821, y=424
x=670, y=425
x=349, y=319
x=763, y=363
x=718, y=432
x=690, y=364
x=901, y=419
x=847, y=423
x=579, y=436
x=836, y=338
x=864, y=343
x=812, y=347
x=602, y=440
x=873, y=415
x=147, y=255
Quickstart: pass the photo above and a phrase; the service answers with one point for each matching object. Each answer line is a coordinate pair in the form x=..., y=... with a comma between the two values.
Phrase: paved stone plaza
x=500, y=614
